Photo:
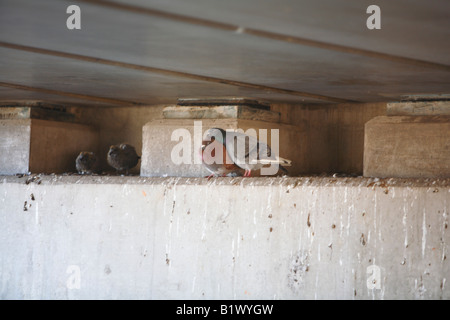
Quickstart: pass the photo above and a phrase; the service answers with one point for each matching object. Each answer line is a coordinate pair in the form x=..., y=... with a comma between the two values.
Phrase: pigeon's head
x=214, y=134
x=114, y=150
x=211, y=135
x=86, y=156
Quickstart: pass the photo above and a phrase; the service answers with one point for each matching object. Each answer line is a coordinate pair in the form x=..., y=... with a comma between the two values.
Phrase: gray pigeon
x=86, y=162
x=226, y=167
x=122, y=157
x=252, y=154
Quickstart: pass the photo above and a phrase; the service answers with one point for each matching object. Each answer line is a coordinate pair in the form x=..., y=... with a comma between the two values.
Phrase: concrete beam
x=419, y=108
x=72, y=237
x=407, y=146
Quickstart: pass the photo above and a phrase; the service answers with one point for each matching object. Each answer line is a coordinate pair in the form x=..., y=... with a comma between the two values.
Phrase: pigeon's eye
x=213, y=138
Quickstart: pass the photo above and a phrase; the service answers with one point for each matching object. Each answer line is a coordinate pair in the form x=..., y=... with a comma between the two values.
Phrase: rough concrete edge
x=287, y=182
x=408, y=119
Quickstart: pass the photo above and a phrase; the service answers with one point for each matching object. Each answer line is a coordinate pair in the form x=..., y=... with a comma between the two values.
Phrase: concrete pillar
x=41, y=146
x=157, y=144
x=407, y=146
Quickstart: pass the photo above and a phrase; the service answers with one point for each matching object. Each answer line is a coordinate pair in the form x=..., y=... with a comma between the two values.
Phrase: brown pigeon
x=122, y=157
x=86, y=162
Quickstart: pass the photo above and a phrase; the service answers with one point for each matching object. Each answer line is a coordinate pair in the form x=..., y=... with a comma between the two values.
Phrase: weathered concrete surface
x=407, y=146
x=93, y=237
x=55, y=145
x=419, y=108
x=14, y=146
x=158, y=147
x=41, y=146
x=335, y=133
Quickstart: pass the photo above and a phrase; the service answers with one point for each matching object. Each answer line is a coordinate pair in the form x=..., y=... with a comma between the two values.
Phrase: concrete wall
x=335, y=133
x=254, y=238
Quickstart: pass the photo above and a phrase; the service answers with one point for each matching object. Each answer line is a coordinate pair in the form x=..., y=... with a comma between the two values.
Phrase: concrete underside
x=244, y=238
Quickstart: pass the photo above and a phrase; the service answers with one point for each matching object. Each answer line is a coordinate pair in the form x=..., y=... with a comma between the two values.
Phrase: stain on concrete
x=107, y=269
x=298, y=266
x=362, y=239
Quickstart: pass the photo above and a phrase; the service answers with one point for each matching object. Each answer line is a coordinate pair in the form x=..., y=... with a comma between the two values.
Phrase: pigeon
x=122, y=157
x=86, y=162
x=254, y=155
x=224, y=167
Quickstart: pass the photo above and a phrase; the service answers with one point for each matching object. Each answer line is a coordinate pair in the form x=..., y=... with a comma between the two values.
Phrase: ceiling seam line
x=172, y=73
x=70, y=94
x=268, y=34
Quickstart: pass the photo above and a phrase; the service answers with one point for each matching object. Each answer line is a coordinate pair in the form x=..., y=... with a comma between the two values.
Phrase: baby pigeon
x=86, y=162
x=122, y=157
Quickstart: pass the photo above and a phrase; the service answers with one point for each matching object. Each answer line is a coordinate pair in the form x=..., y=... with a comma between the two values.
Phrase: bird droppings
x=167, y=260
x=333, y=226
x=270, y=216
x=362, y=239
x=32, y=197
x=308, y=222
x=270, y=229
x=33, y=178
x=25, y=206
x=298, y=266
x=240, y=182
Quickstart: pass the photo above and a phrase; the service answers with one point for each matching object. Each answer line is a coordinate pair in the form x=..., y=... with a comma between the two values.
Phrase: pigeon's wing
x=245, y=149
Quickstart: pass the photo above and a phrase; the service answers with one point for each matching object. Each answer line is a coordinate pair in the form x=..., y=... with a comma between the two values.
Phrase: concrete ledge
x=407, y=146
x=93, y=237
x=419, y=108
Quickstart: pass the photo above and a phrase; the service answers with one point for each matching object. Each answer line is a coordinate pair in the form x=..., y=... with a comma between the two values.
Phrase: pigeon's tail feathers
x=285, y=162
x=277, y=160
